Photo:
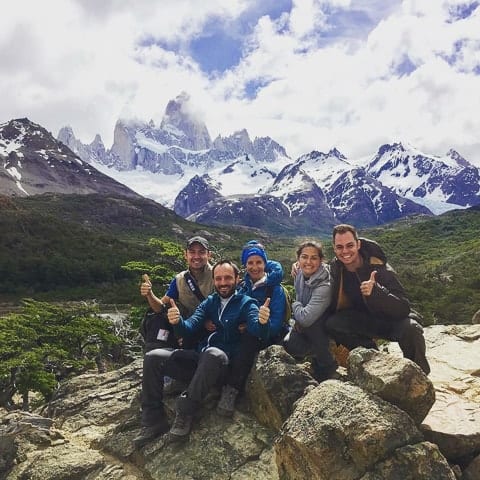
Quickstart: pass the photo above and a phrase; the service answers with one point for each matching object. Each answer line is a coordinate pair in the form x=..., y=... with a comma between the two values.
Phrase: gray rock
x=339, y=431
x=422, y=461
x=453, y=422
x=398, y=381
x=275, y=384
x=472, y=472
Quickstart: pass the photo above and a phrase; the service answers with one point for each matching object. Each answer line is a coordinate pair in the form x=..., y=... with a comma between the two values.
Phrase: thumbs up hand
x=173, y=313
x=146, y=286
x=367, y=286
x=264, y=312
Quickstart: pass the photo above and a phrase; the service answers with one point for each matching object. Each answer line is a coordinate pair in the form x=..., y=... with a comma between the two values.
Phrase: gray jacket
x=312, y=296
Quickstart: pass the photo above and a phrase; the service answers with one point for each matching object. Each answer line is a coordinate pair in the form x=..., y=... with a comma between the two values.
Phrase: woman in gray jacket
x=313, y=294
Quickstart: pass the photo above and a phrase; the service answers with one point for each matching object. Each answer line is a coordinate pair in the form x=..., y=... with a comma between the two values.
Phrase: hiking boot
x=149, y=433
x=321, y=373
x=226, y=404
x=181, y=427
x=172, y=386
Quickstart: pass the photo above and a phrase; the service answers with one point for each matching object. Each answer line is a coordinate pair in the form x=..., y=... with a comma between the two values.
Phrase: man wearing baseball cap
x=187, y=289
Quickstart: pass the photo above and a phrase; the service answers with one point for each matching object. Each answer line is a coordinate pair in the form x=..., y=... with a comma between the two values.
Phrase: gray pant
x=314, y=341
x=354, y=328
x=200, y=370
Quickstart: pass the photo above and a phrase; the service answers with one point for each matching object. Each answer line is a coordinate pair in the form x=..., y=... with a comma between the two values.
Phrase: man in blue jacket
x=202, y=369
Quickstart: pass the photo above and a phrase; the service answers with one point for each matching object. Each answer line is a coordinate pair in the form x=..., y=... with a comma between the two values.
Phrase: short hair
x=344, y=228
x=236, y=270
x=313, y=244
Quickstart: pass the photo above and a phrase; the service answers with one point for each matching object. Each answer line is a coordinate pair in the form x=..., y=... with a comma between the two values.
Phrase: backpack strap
x=192, y=285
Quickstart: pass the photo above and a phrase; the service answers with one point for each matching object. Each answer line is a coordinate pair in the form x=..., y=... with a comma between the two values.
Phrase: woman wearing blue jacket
x=262, y=283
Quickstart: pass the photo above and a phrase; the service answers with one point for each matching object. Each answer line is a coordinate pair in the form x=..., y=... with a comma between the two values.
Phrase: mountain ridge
x=238, y=166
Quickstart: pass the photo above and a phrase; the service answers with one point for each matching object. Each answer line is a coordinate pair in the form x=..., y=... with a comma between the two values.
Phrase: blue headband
x=253, y=250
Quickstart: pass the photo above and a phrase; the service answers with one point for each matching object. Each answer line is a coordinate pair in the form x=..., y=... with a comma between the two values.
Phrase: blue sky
x=312, y=74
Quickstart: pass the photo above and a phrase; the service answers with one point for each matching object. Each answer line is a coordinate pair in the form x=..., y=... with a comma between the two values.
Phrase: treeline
x=53, y=249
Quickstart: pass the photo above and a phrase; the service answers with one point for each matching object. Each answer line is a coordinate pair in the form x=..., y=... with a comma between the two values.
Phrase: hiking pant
x=243, y=361
x=206, y=370
x=312, y=340
x=200, y=370
x=353, y=328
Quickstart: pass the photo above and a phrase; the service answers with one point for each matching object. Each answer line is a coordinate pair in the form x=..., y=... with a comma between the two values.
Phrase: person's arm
x=191, y=325
x=249, y=315
x=277, y=310
x=156, y=304
x=387, y=295
x=307, y=315
x=274, y=271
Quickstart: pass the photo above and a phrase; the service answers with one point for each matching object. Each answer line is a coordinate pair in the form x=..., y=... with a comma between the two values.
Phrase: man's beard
x=226, y=294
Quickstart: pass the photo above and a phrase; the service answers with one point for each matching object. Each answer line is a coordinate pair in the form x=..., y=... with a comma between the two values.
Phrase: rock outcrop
x=364, y=426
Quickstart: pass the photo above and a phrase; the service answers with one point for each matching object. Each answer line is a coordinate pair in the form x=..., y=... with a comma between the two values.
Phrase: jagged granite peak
x=435, y=181
x=238, y=143
x=268, y=150
x=123, y=150
x=184, y=125
x=199, y=191
x=94, y=151
x=32, y=162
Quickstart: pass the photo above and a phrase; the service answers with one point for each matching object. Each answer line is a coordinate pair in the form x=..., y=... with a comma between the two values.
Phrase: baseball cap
x=202, y=241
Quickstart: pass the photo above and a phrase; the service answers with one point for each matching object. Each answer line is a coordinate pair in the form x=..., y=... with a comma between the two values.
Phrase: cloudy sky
x=312, y=74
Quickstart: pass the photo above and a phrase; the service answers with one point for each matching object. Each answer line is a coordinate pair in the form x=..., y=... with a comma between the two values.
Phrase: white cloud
x=351, y=74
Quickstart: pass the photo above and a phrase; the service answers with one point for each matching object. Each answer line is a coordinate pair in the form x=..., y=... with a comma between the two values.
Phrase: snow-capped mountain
x=436, y=182
x=178, y=165
x=32, y=162
x=220, y=181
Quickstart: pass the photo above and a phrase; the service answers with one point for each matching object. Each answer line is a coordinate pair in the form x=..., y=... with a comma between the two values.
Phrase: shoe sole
x=171, y=438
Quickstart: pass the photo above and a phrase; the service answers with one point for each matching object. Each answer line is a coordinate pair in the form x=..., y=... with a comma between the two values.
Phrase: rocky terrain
x=383, y=420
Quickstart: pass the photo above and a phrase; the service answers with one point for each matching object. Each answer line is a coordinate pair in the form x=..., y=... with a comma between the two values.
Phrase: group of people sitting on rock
x=209, y=326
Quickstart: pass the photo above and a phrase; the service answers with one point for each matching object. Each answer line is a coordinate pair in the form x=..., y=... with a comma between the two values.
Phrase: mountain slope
x=32, y=161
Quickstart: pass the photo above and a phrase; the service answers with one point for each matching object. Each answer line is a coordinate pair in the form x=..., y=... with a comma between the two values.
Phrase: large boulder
x=453, y=422
x=275, y=384
x=339, y=431
x=398, y=381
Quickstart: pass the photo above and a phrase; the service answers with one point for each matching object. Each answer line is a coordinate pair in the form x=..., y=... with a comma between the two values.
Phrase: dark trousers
x=244, y=359
x=312, y=340
x=200, y=370
x=353, y=328
x=242, y=362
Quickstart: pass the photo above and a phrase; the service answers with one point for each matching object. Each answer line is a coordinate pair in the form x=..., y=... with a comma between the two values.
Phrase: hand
x=264, y=312
x=146, y=286
x=173, y=313
x=209, y=326
x=295, y=269
x=367, y=287
x=297, y=327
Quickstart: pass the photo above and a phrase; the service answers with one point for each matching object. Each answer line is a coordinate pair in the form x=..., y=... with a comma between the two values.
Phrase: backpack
x=288, y=302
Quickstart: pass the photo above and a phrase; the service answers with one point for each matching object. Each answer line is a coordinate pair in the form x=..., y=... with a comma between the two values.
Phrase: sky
x=311, y=74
